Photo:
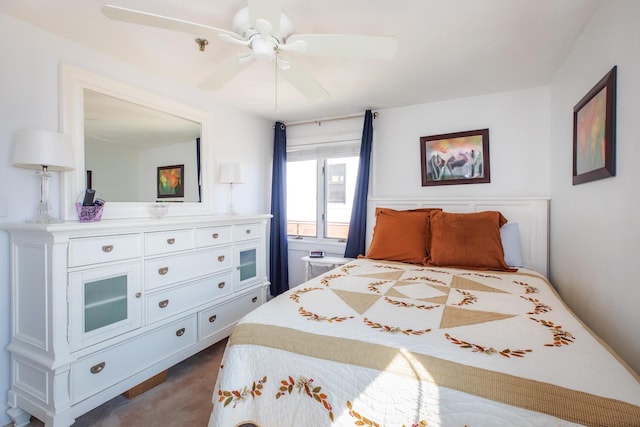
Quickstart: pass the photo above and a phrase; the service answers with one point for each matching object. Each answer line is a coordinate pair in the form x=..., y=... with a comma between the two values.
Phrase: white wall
x=518, y=124
x=30, y=99
x=595, y=235
x=110, y=185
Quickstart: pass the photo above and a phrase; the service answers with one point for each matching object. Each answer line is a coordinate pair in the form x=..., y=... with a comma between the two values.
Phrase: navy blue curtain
x=278, y=257
x=198, y=169
x=356, y=239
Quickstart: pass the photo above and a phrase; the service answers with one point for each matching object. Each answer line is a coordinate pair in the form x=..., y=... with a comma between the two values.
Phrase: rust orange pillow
x=401, y=235
x=468, y=240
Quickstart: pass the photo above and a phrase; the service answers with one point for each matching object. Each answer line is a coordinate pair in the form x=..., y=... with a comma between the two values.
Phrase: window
x=336, y=189
x=321, y=183
x=301, y=198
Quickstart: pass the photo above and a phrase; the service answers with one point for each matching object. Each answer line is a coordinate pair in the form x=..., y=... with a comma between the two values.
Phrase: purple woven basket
x=89, y=213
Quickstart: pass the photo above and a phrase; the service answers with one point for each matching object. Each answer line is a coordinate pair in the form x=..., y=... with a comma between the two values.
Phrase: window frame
x=322, y=146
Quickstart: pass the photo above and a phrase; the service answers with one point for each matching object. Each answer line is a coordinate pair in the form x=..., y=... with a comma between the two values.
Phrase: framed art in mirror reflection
x=170, y=181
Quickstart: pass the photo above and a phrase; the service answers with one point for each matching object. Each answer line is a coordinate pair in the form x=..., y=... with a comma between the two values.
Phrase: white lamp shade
x=34, y=149
x=229, y=173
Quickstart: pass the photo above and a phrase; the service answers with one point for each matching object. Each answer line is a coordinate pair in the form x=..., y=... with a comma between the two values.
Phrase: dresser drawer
x=211, y=236
x=178, y=268
x=95, y=250
x=163, y=304
x=106, y=368
x=246, y=231
x=214, y=319
x=163, y=242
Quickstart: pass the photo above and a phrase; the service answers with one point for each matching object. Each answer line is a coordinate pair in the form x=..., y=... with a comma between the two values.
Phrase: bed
x=457, y=327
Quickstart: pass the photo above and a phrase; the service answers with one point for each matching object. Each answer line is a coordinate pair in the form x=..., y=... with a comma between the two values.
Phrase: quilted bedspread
x=389, y=344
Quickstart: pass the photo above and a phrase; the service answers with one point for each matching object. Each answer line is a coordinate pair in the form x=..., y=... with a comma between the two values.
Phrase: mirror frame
x=73, y=82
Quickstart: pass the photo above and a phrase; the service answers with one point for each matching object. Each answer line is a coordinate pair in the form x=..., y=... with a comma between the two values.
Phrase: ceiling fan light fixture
x=264, y=50
x=245, y=28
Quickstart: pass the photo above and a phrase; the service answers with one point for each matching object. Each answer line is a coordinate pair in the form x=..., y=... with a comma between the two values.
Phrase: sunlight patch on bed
x=404, y=376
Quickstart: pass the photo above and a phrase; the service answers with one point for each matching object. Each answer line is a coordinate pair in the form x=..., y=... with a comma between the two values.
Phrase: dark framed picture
x=594, y=132
x=455, y=158
x=170, y=181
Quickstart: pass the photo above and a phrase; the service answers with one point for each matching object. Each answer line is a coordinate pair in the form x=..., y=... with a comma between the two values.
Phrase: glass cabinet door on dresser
x=249, y=255
x=104, y=303
x=249, y=259
x=248, y=266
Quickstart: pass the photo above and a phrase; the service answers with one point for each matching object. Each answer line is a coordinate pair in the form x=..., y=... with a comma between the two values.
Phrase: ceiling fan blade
x=350, y=46
x=227, y=71
x=145, y=18
x=303, y=81
x=268, y=10
x=234, y=40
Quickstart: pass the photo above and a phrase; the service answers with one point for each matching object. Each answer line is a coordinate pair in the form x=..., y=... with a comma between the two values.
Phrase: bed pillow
x=510, y=237
x=468, y=240
x=401, y=235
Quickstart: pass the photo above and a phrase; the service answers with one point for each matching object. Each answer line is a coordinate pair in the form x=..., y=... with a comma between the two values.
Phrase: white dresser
x=97, y=308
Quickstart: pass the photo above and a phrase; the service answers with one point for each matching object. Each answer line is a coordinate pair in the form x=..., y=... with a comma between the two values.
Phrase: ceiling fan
x=268, y=33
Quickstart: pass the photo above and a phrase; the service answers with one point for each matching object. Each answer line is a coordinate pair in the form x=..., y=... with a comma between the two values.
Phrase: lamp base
x=44, y=220
x=42, y=213
x=231, y=210
x=43, y=216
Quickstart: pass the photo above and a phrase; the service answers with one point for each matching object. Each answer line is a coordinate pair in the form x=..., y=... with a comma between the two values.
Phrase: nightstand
x=327, y=261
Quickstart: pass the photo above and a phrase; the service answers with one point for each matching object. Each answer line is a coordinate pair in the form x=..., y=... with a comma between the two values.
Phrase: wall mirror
x=128, y=138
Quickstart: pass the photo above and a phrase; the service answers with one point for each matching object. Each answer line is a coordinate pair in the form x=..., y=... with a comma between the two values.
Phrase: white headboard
x=531, y=214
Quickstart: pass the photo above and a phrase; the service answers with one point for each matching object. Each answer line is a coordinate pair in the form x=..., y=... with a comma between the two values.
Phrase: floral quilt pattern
x=389, y=344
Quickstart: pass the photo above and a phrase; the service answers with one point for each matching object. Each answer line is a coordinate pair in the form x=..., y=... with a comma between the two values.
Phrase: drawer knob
x=163, y=303
x=254, y=300
x=138, y=294
x=171, y=241
x=221, y=285
x=248, y=231
x=214, y=235
x=107, y=248
x=221, y=258
x=96, y=369
x=180, y=332
x=212, y=318
x=163, y=270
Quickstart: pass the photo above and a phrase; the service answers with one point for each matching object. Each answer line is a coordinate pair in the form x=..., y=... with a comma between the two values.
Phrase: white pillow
x=510, y=236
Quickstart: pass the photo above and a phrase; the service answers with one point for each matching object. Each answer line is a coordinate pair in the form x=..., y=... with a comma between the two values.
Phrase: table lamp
x=229, y=173
x=43, y=151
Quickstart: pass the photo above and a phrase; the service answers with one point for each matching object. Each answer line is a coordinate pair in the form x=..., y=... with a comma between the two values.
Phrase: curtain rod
x=319, y=122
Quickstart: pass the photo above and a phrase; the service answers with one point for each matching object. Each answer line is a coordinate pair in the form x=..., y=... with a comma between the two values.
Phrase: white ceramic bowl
x=158, y=210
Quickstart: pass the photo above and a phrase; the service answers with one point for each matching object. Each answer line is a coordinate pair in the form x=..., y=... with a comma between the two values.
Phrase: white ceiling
x=446, y=48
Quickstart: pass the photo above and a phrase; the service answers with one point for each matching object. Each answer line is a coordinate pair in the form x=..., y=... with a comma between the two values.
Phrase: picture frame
x=170, y=181
x=594, y=132
x=455, y=158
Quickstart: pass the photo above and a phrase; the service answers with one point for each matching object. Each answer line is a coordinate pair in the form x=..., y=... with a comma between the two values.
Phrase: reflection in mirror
x=125, y=143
